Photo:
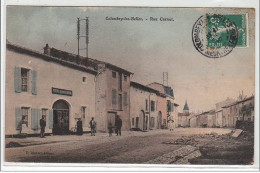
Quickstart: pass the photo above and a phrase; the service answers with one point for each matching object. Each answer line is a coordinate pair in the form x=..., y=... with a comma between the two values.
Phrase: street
x=131, y=147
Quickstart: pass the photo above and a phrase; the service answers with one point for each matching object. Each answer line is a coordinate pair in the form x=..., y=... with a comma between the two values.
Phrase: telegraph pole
x=165, y=78
x=86, y=36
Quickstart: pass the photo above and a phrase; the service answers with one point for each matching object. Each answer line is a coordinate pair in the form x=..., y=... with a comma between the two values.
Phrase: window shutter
x=38, y=118
x=34, y=117
x=17, y=80
x=18, y=117
x=51, y=119
x=34, y=80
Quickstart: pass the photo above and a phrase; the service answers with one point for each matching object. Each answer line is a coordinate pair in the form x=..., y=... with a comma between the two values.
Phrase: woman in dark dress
x=79, y=127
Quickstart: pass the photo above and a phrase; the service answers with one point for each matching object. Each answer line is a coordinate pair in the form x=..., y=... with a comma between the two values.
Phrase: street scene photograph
x=129, y=85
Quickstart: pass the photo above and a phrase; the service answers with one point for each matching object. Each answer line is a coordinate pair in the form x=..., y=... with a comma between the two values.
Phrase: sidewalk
x=103, y=137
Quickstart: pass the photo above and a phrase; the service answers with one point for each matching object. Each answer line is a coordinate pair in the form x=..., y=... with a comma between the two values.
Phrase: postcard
x=141, y=86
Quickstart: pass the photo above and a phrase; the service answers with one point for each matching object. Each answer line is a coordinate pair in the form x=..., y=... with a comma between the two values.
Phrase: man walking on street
x=43, y=125
x=118, y=125
x=93, y=124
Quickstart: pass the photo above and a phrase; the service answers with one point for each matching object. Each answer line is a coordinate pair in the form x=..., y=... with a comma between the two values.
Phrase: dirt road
x=132, y=147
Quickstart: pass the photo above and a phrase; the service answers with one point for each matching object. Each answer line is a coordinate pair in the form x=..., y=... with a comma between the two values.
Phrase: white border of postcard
x=7, y=166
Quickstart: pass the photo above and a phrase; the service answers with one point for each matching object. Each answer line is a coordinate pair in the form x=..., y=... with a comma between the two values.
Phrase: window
x=133, y=121
x=125, y=78
x=125, y=98
x=44, y=113
x=25, y=115
x=114, y=97
x=83, y=111
x=146, y=105
x=172, y=107
x=168, y=106
x=120, y=81
x=152, y=106
x=24, y=74
x=113, y=74
x=83, y=79
x=120, y=101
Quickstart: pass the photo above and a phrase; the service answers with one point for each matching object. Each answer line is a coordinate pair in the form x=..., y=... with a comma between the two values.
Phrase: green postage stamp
x=227, y=30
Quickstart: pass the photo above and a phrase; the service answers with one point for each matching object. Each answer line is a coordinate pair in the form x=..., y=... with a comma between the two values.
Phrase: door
x=159, y=124
x=111, y=118
x=60, y=118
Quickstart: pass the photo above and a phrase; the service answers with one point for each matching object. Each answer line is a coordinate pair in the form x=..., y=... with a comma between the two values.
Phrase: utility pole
x=165, y=78
x=86, y=36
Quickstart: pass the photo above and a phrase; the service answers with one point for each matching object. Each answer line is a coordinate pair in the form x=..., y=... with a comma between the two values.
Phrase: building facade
x=171, y=109
x=145, y=112
x=242, y=110
x=39, y=84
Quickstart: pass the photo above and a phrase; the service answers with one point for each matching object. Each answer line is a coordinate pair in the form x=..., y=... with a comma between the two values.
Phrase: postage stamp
x=216, y=35
x=227, y=30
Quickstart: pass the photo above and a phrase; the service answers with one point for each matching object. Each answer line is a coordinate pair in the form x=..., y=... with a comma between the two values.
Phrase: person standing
x=79, y=127
x=118, y=124
x=93, y=124
x=110, y=129
x=42, y=125
x=20, y=125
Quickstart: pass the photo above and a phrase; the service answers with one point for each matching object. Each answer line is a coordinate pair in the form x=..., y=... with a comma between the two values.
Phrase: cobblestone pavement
x=132, y=147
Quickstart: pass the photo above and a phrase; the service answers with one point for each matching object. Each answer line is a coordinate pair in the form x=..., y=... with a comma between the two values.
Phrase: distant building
x=220, y=122
x=242, y=110
x=186, y=108
x=183, y=118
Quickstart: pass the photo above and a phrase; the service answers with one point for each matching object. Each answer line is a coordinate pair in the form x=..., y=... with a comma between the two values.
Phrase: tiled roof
x=237, y=102
x=36, y=54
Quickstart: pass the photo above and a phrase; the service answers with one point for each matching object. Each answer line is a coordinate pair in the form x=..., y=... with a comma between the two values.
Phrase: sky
x=146, y=48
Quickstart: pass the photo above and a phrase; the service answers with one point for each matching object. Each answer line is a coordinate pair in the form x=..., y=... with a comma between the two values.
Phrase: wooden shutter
x=18, y=117
x=34, y=80
x=114, y=97
x=34, y=118
x=51, y=119
x=17, y=80
x=38, y=118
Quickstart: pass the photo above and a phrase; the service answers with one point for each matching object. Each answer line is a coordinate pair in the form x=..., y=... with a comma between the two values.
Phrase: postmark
x=215, y=36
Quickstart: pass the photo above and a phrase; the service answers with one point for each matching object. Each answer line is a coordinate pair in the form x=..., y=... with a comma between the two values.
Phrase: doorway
x=60, y=117
x=159, y=126
x=143, y=122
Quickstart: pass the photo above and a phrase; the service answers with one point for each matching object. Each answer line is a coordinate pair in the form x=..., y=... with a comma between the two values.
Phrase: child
x=110, y=130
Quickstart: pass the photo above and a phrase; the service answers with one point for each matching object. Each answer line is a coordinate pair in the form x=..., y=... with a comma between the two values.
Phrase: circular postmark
x=214, y=36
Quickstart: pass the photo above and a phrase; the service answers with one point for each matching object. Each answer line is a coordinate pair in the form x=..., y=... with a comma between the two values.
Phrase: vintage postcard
x=159, y=86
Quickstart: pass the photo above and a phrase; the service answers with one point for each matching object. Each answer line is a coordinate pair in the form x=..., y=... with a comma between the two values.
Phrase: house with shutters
x=112, y=87
x=38, y=84
x=145, y=112
x=171, y=113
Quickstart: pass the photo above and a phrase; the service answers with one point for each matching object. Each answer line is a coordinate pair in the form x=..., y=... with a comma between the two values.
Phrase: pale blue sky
x=145, y=48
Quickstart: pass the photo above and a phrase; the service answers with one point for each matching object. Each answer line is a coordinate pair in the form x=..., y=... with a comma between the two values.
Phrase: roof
x=237, y=102
x=186, y=107
x=143, y=87
x=85, y=61
x=167, y=89
x=36, y=54
x=183, y=114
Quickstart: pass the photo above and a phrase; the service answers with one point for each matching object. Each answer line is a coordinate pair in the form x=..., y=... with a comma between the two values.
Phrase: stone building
x=172, y=110
x=220, y=122
x=39, y=84
x=145, y=112
x=183, y=118
x=242, y=110
x=111, y=90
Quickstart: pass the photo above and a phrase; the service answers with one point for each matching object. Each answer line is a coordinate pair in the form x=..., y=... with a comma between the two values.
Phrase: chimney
x=47, y=50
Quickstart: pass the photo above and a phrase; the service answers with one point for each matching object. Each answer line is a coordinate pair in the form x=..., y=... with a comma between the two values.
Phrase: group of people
x=92, y=124
x=118, y=126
